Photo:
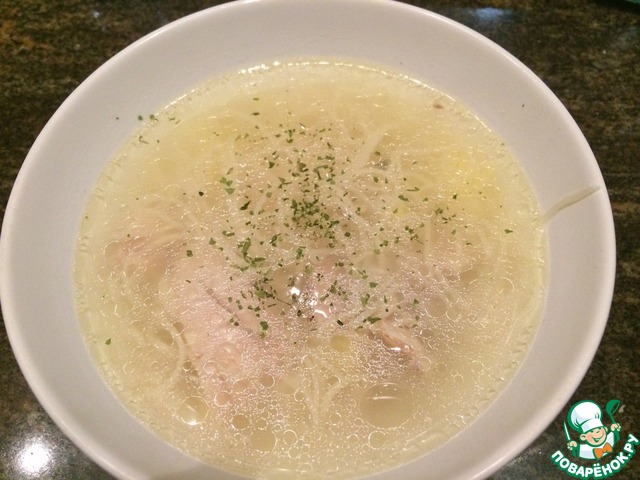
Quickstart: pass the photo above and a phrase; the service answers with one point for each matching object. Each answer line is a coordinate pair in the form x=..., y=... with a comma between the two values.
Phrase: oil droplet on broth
x=240, y=422
x=263, y=440
x=289, y=437
x=266, y=380
x=222, y=398
x=386, y=405
x=335, y=418
x=193, y=410
x=289, y=383
x=340, y=343
x=162, y=336
x=376, y=440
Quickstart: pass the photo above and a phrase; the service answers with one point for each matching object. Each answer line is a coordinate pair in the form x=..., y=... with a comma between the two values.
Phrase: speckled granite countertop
x=587, y=51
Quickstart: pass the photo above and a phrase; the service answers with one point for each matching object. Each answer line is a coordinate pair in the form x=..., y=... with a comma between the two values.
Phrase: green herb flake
x=264, y=325
x=371, y=320
x=189, y=253
x=365, y=299
x=227, y=183
x=508, y=230
x=107, y=341
x=244, y=246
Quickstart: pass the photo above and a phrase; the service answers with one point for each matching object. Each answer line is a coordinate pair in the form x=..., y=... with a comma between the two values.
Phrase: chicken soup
x=312, y=269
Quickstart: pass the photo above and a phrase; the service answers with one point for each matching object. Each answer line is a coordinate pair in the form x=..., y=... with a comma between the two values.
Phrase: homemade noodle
x=310, y=270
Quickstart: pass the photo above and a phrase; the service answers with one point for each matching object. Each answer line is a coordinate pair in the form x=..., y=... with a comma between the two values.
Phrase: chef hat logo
x=585, y=416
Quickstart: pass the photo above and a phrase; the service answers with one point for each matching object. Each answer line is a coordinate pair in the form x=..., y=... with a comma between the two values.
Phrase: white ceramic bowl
x=48, y=198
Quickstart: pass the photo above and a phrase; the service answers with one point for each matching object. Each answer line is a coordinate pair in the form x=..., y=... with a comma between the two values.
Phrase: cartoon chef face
x=595, y=437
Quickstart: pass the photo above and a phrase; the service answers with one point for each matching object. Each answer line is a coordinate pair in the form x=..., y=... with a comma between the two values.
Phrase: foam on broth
x=310, y=269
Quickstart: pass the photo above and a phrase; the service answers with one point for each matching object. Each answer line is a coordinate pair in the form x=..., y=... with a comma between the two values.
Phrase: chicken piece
x=224, y=338
x=402, y=340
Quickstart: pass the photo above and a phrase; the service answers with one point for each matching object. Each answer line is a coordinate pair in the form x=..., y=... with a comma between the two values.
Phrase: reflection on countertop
x=588, y=53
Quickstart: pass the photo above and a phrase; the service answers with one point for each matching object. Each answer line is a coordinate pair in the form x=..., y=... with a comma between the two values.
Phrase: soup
x=310, y=269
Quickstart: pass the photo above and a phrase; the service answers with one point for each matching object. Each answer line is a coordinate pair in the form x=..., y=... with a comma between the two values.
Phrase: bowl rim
x=16, y=216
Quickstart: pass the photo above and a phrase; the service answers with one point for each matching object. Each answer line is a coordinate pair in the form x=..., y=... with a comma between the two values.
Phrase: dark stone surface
x=587, y=51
